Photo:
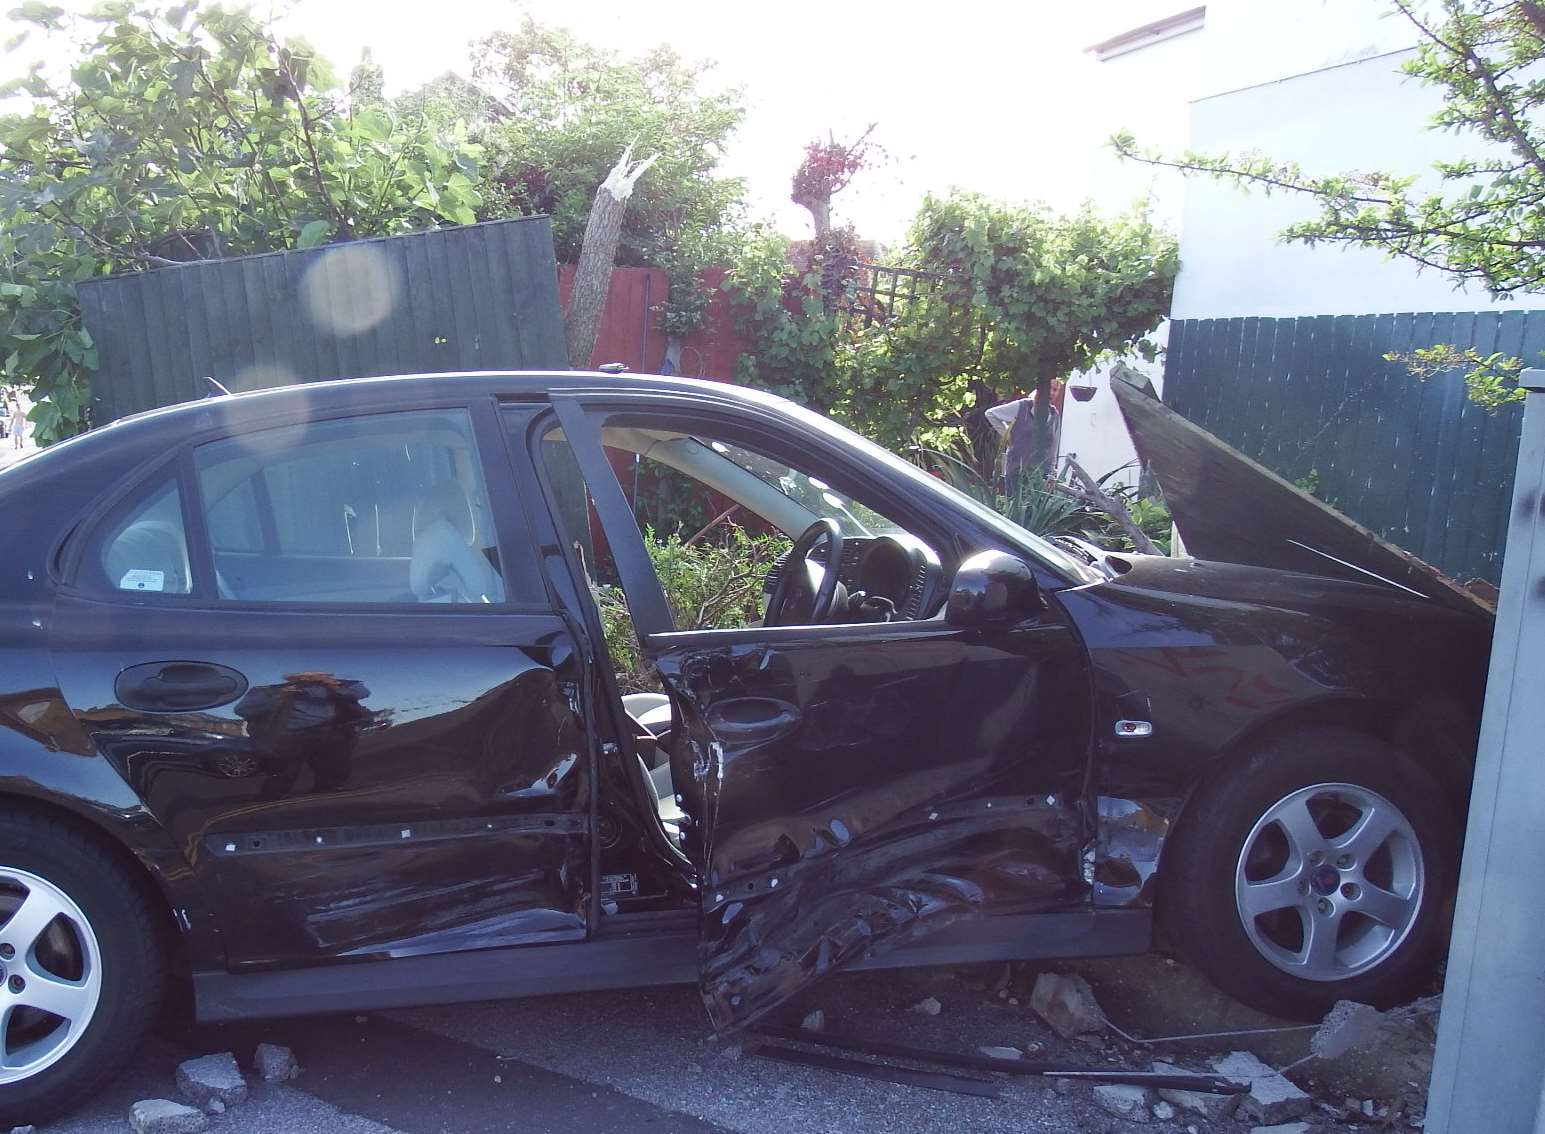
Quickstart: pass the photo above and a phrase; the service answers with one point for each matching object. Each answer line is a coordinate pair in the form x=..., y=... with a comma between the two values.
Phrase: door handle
x=178, y=686
x=752, y=720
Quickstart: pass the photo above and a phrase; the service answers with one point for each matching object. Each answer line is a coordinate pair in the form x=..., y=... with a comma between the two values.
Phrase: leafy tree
x=827, y=169
x=1008, y=298
x=188, y=133
x=565, y=109
x=1484, y=222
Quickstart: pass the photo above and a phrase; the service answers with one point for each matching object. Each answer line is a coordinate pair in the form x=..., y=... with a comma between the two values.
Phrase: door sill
x=629, y=955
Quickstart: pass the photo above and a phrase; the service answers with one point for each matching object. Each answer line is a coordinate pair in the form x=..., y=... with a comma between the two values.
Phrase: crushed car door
x=852, y=787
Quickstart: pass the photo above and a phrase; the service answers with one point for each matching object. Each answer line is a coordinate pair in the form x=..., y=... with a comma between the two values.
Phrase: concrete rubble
x=1204, y=1104
x=1283, y=1128
x=927, y=1006
x=993, y=1052
x=1123, y=1101
x=275, y=1064
x=813, y=1022
x=1066, y=1002
x=1273, y=1098
x=212, y=1077
x=1346, y=1026
x=162, y=1116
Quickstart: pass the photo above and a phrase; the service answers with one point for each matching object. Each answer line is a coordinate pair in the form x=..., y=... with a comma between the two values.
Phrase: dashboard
x=897, y=567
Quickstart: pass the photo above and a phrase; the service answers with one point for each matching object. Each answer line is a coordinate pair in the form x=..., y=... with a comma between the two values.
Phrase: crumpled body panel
x=925, y=779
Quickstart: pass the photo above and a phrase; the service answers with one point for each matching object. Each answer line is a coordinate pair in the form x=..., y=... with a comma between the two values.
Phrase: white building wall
x=1364, y=115
x=1317, y=82
x=1155, y=85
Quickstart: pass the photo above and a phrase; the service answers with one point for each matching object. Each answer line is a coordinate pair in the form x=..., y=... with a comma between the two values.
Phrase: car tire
x=1319, y=867
x=80, y=934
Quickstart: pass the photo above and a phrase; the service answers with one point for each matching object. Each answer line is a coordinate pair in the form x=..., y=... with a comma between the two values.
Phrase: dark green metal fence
x=479, y=297
x=1314, y=400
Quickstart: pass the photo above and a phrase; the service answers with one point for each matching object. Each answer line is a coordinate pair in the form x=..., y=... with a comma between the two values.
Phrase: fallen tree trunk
x=593, y=276
x=1088, y=491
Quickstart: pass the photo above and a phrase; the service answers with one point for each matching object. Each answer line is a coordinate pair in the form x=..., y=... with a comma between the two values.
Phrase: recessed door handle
x=178, y=686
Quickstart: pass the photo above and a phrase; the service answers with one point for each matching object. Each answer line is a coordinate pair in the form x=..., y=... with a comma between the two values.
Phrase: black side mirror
x=993, y=587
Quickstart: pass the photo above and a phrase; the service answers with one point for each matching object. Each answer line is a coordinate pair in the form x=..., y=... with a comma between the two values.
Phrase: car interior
x=327, y=513
x=884, y=572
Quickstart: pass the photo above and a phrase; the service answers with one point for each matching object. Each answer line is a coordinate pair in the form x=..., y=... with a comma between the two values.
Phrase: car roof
x=375, y=394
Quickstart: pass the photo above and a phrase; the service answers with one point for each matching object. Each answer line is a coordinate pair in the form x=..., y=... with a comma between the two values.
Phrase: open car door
x=852, y=787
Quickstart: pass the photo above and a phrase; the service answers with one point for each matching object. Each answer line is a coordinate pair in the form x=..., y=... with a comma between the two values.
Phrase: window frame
x=514, y=537
x=583, y=414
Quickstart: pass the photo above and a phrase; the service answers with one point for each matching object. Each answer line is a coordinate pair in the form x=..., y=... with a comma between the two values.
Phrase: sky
x=993, y=95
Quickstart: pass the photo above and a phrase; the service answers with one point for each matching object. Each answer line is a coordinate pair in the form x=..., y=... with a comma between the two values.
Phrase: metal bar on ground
x=1209, y=1084
x=885, y=1073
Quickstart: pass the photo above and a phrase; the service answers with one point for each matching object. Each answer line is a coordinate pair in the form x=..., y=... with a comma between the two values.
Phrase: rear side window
x=147, y=550
x=387, y=508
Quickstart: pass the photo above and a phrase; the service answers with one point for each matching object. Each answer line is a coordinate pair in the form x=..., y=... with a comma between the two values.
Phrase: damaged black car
x=313, y=702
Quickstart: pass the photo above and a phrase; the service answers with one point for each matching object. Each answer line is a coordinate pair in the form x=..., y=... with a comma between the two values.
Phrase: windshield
x=1045, y=551
x=811, y=493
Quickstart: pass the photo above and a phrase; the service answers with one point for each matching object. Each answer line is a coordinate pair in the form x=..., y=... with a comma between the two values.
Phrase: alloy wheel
x=1329, y=881
x=50, y=974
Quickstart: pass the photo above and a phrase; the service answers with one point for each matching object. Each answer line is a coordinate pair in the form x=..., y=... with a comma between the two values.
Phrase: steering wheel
x=796, y=581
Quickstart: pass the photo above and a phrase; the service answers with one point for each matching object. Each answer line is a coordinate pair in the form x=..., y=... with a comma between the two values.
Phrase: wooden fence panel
x=1314, y=399
x=478, y=297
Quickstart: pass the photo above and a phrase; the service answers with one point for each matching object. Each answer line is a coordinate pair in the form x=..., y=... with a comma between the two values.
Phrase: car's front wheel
x=1319, y=868
x=81, y=966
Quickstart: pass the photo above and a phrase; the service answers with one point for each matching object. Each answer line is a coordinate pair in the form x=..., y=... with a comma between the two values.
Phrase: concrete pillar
x=1489, y=1075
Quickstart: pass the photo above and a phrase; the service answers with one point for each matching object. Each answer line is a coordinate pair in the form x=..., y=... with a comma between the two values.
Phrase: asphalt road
x=643, y=1060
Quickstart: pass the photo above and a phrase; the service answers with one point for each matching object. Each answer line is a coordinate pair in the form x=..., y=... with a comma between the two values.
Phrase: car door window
x=389, y=508
x=146, y=551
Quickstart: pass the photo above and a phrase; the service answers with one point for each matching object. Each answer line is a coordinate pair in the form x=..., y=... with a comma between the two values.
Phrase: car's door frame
x=739, y=990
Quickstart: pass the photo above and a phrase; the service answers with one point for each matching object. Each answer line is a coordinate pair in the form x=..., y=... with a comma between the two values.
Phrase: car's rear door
x=322, y=654
x=853, y=787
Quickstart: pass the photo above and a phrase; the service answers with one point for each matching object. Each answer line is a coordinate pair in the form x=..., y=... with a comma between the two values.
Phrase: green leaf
x=374, y=124
x=313, y=233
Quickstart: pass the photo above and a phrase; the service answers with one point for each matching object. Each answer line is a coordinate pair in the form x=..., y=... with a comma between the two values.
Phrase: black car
x=308, y=704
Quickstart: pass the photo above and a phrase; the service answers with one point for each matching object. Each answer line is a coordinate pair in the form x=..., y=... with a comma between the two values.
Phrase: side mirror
x=993, y=587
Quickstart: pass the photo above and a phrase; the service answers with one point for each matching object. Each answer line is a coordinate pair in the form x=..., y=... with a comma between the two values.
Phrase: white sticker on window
x=139, y=579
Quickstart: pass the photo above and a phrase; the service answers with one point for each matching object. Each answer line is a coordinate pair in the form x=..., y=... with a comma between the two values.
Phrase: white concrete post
x=1489, y=1074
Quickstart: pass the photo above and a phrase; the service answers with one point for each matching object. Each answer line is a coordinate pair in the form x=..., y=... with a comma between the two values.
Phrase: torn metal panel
x=1233, y=509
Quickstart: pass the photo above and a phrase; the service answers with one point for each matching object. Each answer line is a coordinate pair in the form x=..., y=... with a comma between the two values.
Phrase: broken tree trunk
x=593, y=277
x=1088, y=491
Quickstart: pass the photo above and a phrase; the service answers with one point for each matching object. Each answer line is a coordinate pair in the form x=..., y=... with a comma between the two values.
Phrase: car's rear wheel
x=81, y=971
x=1319, y=868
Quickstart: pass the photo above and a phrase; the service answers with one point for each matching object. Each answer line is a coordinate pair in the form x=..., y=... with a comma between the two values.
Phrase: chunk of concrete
x=1283, y=1128
x=992, y=1052
x=1346, y=1026
x=1214, y=1108
x=814, y=1022
x=1272, y=1098
x=212, y=1077
x=1163, y=1111
x=275, y=1064
x=927, y=1006
x=1123, y=1100
x=1067, y=1003
x=162, y=1116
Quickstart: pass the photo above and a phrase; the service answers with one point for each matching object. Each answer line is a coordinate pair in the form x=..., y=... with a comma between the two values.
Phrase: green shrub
x=714, y=585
